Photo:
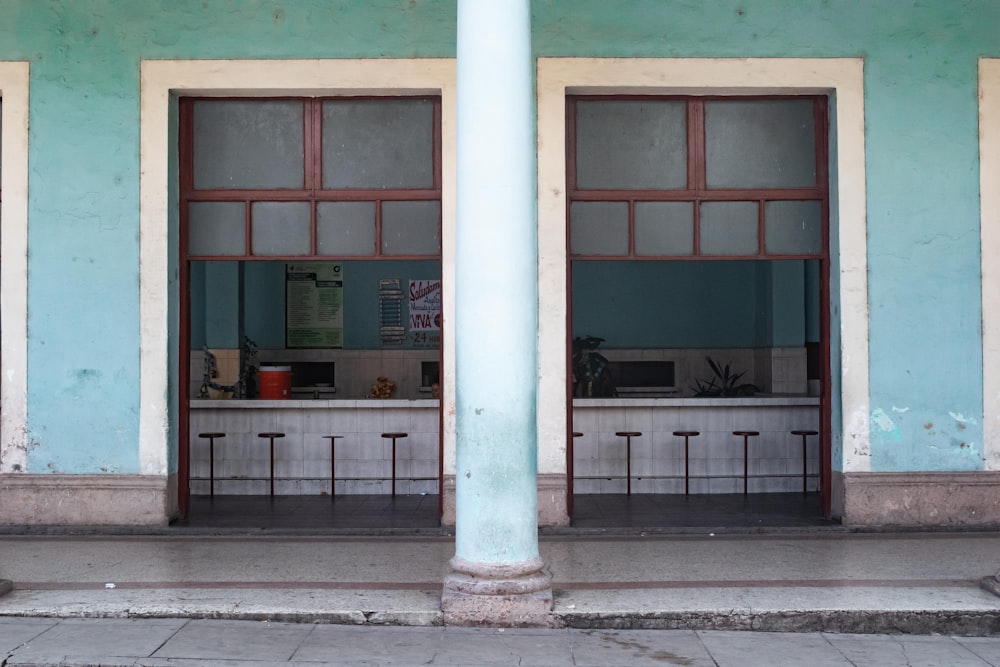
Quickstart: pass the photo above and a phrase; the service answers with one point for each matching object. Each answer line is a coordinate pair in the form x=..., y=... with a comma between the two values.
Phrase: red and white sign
x=425, y=305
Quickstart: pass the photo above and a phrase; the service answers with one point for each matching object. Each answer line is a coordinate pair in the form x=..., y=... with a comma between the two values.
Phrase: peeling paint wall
x=922, y=183
x=83, y=266
x=922, y=177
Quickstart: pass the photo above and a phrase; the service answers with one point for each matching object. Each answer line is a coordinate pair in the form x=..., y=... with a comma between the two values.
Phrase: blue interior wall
x=690, y=304
x=921, y=123
x=215, y=315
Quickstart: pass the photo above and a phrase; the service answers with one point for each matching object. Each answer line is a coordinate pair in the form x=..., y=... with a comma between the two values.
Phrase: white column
x=497, y=575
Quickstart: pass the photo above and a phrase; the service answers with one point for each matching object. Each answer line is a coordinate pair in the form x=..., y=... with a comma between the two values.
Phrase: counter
x=715, y=462
x=364, y=458
x=303, y=457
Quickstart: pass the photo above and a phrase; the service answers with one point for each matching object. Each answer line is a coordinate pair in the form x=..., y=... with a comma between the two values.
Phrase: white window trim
x=14, y=77
x=559, y=77
x=161, y=79
x=989, y=198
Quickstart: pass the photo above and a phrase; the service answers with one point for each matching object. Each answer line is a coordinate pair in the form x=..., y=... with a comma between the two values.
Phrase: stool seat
x=628, y=433
x=394, y=436
x=688, y=433
x=805, y=432
x=211, y=435
x=271, y=435
x=577, y=434
x=746, y=432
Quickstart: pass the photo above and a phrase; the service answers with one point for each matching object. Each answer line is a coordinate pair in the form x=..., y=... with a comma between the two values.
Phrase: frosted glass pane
x=1, y=137
x=793, y=227
x=598, y=228
x=411, y=228
x=252, y=144
x=631, y=144
x=280, y=228
x=729, y=228
x=345, y=228
x=664, y=228
x=760, y=144
x=378, y=144
x=216, y=228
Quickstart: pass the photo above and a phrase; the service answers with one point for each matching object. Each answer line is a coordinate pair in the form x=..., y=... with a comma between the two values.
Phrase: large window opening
x=310, y=233
x=698, y=242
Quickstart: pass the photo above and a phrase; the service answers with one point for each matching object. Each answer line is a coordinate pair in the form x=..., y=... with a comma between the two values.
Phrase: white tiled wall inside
x=772, y=370
x=355, y=370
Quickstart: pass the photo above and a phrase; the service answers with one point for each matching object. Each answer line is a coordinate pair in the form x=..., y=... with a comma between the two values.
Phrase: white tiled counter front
x=716, y=456
x=302, y=457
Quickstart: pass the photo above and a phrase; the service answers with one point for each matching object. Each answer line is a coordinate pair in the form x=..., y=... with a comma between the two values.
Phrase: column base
x=991, y=584
x=497, y=595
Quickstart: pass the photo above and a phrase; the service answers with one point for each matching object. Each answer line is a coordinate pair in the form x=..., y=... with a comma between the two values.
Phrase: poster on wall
x=425, y=313
x=314, y=305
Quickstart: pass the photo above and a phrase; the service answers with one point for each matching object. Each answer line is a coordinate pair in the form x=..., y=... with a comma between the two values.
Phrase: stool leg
x=333, y=470
x=686, y=470
x=272, y=466
x=745, y=466
x=628, y=465
x=211, y=467
x=393, y=467
x=805, y=486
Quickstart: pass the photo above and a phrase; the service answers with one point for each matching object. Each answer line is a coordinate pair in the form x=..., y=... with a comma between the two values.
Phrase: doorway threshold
x=353, y=514
x=698, y=513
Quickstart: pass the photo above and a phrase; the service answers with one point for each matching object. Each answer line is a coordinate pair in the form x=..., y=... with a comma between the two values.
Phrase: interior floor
x=360, y=513
x=715, y=510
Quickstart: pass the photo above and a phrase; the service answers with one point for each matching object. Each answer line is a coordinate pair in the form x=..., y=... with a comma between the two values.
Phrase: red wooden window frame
x=312, y=192
x=697, y=191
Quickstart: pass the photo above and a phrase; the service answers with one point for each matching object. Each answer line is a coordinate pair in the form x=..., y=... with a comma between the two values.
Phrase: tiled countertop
x=761, y=400
x=335, y=404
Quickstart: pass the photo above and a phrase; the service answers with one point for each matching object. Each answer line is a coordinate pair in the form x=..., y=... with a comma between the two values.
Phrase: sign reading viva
x=425, y=305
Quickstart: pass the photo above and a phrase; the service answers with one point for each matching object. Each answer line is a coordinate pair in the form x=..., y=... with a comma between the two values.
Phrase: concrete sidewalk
x=915, y=583
x=33, y=642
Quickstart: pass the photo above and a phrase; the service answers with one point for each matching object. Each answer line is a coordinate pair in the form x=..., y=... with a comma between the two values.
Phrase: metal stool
x=394, y=436
x=271, y=436
x=211, y=458
x=333, y=461
x=577, y=434
x=628, y=435
x=804, y=434
x=745, y=435
x=686, y=435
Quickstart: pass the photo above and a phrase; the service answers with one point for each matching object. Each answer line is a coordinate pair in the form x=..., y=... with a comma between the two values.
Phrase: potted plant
x=724, y=383
x=591, y=377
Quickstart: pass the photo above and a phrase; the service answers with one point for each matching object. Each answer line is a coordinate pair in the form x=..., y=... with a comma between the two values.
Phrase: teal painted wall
x=83, y=267
x=922, y=178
